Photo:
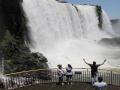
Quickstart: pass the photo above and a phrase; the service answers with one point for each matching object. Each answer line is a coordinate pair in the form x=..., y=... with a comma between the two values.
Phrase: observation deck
x=46, y=79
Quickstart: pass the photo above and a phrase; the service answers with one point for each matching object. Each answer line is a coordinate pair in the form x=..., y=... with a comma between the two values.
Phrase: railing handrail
x=104, y=69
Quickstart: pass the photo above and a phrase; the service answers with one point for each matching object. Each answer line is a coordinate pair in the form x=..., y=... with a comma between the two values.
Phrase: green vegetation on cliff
x=15, y=39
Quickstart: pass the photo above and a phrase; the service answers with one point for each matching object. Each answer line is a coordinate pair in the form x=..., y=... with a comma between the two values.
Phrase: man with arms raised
x=94, y=69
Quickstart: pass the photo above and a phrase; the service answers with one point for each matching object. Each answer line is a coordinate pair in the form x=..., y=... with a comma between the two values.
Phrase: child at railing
x=100, y=85
x=69, y=74
x=60, y=73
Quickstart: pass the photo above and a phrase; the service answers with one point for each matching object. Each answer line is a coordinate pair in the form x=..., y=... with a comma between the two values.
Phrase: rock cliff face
x=1, y=21
x=116, y=25
x=14, y=39
x=115, y=41
x=13, y=17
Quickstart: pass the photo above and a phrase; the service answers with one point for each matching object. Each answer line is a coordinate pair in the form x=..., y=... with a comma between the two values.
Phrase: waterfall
x=66, y=33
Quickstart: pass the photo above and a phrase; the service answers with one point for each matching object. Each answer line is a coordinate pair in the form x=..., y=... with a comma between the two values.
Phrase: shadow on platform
x=74, y=86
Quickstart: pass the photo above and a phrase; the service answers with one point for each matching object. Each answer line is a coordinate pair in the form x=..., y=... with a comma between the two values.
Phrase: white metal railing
x=25, y=78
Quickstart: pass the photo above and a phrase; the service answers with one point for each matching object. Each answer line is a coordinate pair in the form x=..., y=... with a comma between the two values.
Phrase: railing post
x=111, y=76
x=87, y=76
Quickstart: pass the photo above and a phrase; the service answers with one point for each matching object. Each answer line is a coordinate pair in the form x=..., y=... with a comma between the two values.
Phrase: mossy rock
x=99, y=14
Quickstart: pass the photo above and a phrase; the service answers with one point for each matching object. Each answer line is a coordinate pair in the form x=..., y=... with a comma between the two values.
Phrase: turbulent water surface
x=66, y=33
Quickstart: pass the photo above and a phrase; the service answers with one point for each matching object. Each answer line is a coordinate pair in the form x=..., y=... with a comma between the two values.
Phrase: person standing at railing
x=60, y=73
x=69, y=74
x=94, y=69
x=100, y=85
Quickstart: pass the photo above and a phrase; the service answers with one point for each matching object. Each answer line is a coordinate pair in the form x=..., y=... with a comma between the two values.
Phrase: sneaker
x=62, y=84
x=67, y=83
x=70, y=83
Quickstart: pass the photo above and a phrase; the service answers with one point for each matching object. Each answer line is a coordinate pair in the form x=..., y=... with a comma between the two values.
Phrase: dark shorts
x=69, y=76
x=93, y=74
x=61, y=79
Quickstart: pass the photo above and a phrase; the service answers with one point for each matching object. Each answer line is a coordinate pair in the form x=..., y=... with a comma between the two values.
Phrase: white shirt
x=69, y=71
x=100, y=85
x=60, y=72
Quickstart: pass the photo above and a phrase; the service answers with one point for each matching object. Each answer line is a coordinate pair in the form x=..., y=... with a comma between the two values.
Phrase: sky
x=112, y=7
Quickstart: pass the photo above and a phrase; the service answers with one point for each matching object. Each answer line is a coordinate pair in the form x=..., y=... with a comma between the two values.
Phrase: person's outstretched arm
x=102, y=63
x=86, y=62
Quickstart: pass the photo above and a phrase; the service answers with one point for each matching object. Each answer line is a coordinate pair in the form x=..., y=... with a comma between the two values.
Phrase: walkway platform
x=45, y=79
x=74, y=86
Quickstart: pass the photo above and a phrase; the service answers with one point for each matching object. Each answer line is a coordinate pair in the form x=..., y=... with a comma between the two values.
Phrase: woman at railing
x=60, y=73
x=69, y=74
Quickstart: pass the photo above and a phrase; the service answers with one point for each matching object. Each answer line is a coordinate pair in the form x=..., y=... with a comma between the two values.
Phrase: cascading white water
x=65, y=34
